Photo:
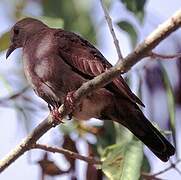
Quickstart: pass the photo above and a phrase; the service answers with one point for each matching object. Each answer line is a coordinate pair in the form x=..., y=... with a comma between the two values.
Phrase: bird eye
x=16, y=31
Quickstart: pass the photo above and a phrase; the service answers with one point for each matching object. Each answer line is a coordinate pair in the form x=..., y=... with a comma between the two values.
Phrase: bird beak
x=12, y=47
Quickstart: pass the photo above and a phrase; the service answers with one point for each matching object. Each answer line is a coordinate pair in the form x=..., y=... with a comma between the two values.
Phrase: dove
x=57, y=62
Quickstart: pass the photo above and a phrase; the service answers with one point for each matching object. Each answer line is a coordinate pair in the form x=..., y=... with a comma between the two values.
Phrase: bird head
x=21, y=31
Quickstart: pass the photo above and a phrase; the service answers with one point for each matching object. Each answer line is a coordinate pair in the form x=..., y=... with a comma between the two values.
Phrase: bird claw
x=56, y=115
x=69, y=103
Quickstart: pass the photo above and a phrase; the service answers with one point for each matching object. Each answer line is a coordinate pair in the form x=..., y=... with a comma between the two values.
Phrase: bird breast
x=45, y=45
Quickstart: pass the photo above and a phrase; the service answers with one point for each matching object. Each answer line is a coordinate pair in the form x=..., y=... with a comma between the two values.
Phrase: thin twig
x=166, y=169
x=164, y=57
x=140, y=52
x=110, y=25
x=26, y=143
x=147, y=176
x=153, y=176
x=14, y=96
x=178, y=170
x=71, y=154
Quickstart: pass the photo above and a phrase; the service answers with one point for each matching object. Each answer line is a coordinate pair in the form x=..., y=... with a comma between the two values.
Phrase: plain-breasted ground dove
x=57, y=62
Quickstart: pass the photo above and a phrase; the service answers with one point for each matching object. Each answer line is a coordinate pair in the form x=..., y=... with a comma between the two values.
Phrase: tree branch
x=26, y=143
x=140, y=52
x=154, y=55
x=147, y=176
x=71, y=154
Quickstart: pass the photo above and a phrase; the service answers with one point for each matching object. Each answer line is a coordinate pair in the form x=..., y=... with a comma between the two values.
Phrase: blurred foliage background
x=104, y=140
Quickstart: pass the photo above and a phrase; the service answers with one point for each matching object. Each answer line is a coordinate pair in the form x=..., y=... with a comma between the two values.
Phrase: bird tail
x=132, y=117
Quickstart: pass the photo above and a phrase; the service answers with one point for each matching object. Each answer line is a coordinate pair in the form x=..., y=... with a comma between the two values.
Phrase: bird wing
x=87, y=61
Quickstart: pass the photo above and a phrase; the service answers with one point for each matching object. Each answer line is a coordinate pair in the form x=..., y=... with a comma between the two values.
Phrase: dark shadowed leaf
x=154, y=79
x=70, y=145
x=130, y=29
x=49, y=167
x=53, y=8
x=136, y=7
x=107, y=136
x=178, y=87
x=73, y=177
x=123, y=161
x=93, y=173
x=145, y=165
x=4, y=41
x=170, y=101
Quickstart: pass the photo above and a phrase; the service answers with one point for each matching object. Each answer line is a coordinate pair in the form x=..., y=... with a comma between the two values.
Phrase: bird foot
x=56, y=115
x=69, y=103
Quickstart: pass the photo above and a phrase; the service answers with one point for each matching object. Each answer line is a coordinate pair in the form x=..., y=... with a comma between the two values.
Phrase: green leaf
x=107, y=137
x=49, y=21
x=123, y=161
x=107, y=3
x=52, y=22
x=145, y=165
x=20, y=6
x=123, y=135
x=130, y=29
x=54, y=8
x=170, y=100
x=68, y=127
x=4, y=41
x=75, y=13
x=136, y=7
x=6, y=83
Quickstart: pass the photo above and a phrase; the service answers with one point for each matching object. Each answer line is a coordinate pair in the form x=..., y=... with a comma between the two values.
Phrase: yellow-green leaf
x=123, y=161
x=52, y=21
x=4, y=41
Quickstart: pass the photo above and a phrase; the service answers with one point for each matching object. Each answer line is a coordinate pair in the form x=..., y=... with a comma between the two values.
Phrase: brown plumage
x=57, y=62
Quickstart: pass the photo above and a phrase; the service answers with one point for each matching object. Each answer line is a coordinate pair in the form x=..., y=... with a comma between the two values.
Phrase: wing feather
x=86, y=60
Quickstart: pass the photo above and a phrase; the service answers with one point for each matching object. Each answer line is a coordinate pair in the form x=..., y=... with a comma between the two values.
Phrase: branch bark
x=27, y=143
x=141, y=51
x=71, y=154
